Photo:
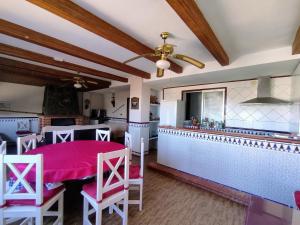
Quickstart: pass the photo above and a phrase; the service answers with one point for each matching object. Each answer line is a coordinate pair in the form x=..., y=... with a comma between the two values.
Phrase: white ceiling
x=248, y=72
x=242, y=27
x=248, y=26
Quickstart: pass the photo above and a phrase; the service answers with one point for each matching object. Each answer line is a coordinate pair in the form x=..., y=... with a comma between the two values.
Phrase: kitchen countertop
x=258, y=137
x=7, y=114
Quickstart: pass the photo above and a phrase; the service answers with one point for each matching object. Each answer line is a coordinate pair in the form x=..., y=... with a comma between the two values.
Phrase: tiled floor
x=219, y=189
x=166, y=202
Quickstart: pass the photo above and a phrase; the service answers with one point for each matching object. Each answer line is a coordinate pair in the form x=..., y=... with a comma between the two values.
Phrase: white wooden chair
x=61, y=136
x=128, y=144
x=26, y=143
x=32, y=200
x=102, y=135
x=107, y=192
x=136, y=178
x=3, y=147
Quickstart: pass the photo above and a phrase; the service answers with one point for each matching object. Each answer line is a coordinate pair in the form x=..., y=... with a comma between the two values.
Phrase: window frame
x=223, y=89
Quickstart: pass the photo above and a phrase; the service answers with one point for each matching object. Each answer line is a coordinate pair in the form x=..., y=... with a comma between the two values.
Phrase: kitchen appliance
x=264, y=93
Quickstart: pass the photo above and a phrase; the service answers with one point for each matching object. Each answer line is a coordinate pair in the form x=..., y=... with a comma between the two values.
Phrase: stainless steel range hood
x=264, y=93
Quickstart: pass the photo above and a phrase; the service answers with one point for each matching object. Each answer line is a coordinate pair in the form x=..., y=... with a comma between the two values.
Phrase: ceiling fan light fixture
x=77, y=85
x=163, y=64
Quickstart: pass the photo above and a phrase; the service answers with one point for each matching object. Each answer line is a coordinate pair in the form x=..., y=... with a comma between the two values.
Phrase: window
x=206, y=104
x=213, y=105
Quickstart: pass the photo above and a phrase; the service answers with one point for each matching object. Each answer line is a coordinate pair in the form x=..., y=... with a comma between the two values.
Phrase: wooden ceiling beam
x=30, y=77
x=13, y=76
x=37, y=57
x=296, y=43
x=32, y=36
x=190, y=13
x=44, y=71
x=83, y=18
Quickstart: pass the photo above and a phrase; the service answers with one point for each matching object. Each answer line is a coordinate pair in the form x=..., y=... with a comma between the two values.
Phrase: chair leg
x=125, y=210
x=2, y=219
x=30, y=222
x=99, y=216
x=39, y=218
x=110, y=210
x=141, y=197
x=61, y=210
x=85, y=211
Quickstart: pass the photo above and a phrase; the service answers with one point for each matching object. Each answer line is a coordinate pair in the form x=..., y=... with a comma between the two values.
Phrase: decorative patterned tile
x=257, y=143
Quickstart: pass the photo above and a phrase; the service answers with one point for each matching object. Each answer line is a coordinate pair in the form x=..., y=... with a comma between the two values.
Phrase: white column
x=295, y=123
x=139, y=118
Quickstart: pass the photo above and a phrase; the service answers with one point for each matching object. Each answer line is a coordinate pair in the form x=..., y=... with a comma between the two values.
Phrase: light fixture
x=163, y=64
x=77, y=85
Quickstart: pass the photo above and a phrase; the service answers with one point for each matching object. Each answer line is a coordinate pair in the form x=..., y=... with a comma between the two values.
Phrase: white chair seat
x=47, y=194
x=91, y=190
x=134, y=172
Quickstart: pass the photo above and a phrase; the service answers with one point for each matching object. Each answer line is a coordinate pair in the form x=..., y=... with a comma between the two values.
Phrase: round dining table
x=73, y=160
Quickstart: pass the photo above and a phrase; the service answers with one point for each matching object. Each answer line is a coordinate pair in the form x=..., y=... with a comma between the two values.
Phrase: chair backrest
x=3, y=148
x=142, y=157
x=19, y=166
x=26, y=142
x=128, y=144
x=60, y=136
x=102, y=135
x=113, y=160
x=23, y=125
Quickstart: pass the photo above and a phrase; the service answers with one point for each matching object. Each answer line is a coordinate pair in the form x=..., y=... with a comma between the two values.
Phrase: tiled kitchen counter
x=260, y=165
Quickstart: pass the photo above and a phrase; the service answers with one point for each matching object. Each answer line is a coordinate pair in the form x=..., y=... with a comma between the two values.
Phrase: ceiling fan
x=79, y=82
x=165, y=52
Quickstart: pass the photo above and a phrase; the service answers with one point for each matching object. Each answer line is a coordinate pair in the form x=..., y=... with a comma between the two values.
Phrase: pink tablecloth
x=72, y=160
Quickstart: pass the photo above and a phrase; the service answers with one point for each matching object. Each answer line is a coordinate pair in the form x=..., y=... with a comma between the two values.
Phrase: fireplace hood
x=264, y=94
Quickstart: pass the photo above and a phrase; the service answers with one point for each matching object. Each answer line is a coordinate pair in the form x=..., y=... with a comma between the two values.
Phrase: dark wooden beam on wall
x=190, y=13
x=45, y=72
x=296, y=43
x=37, y=57
x=32, y=36
x=83, y=18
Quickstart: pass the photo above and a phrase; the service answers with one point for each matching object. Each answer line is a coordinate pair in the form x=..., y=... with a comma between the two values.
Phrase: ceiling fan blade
x=160, y=72
x=189, y=60
x=84, y=85
x=91, y=82
x=139, y=56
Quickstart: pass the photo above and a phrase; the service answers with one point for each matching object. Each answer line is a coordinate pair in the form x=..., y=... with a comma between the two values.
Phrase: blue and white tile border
x=14, y=119
x=249, y=142
x=137, y=124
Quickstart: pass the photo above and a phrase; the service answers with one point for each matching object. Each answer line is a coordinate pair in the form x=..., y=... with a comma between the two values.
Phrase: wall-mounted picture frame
x=135, y=103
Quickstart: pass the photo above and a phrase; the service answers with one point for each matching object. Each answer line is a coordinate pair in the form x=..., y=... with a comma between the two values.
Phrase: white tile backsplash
x=267, y=117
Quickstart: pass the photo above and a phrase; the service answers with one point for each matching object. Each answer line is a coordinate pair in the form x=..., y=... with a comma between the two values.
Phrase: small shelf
x=154, y=121
x=153, y=138
x=153, y=104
